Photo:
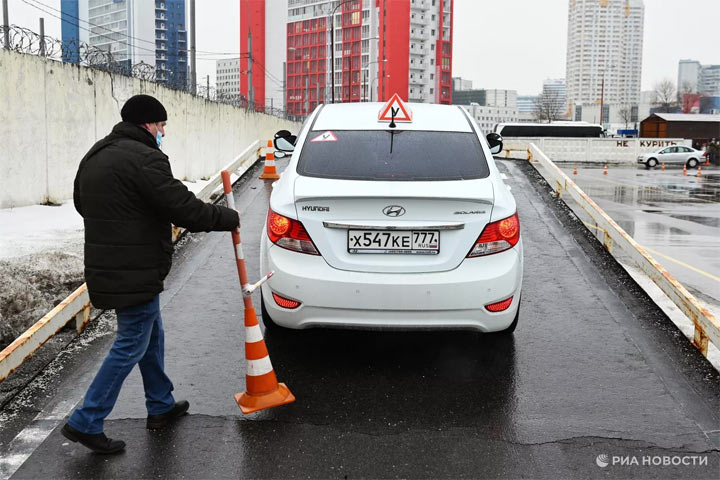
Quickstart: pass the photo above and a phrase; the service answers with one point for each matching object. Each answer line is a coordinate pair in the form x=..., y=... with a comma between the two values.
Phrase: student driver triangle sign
x=397, y=108
x=325, y=137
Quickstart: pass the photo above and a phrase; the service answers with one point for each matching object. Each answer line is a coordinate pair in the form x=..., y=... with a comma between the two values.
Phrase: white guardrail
x=706, y=325
x=77, y=305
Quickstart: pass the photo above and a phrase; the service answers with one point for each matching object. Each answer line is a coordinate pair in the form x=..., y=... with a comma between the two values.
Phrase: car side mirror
x=495, y=142
x=285, y=141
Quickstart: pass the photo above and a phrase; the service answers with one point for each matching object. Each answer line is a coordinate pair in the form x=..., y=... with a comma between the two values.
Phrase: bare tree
x=685, y=89
x=626, y=114
x=548, y=107
x=666, y=96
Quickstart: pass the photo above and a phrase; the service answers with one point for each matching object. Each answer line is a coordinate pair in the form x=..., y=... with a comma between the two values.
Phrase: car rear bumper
x=330, y=297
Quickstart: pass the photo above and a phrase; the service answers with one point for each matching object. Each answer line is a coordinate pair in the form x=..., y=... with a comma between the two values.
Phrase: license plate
x=413, y=242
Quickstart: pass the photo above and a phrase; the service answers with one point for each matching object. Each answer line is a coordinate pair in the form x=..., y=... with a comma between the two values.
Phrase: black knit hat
x=143, y=109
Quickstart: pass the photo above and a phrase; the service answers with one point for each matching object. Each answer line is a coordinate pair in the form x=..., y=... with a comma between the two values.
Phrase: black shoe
x=98, y=442
x=157, y=422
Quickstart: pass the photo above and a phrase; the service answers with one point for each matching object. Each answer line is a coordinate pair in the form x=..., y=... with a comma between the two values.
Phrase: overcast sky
x=509, y=44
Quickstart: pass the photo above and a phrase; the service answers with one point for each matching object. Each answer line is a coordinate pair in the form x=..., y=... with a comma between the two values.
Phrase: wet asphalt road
x=594, y=368
x=676, y=217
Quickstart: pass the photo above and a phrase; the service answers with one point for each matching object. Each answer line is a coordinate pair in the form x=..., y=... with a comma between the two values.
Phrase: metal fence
x=24, y=40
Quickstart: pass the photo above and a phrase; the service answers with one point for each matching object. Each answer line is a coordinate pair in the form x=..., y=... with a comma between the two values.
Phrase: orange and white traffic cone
x=699, y=173
x=574, y=169
x=263, y=389
x=663, y=166
x=605, y=170
x=270, y=171
x=684, y=169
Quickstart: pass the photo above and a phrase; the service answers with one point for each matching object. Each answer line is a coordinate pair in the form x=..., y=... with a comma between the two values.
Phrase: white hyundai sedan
x=391, y=224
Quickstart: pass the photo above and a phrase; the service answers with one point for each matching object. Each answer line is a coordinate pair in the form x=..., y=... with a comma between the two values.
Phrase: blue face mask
x=158, y=139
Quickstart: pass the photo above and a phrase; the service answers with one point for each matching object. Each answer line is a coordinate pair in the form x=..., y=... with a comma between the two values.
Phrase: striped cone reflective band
x=270, y=172
x=263, y=389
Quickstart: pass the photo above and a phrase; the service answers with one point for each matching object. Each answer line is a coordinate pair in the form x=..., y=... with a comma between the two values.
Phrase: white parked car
x=678, y=154
x=377, y=227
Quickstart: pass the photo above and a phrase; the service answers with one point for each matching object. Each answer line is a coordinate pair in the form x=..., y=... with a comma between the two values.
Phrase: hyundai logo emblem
x=394, y=211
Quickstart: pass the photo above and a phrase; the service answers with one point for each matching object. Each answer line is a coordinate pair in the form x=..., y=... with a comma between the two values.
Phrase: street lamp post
x=331, y=19
x=373, y=81
x=368, y=72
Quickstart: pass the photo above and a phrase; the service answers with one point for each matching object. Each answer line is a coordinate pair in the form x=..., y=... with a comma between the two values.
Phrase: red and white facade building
x=381, y=47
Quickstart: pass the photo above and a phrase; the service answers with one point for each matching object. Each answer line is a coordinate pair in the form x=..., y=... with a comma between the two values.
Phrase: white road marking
x=29, y=439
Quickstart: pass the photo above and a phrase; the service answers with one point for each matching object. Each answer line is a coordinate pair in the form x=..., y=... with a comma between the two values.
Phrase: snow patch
x=38, y=228
x=32, y=285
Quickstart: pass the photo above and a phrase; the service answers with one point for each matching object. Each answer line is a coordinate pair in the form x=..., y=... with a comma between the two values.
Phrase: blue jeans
x=140, y=340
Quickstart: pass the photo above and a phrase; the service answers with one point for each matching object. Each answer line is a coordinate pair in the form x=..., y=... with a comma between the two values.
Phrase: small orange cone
x=270, y=171
x=663, y=166
x=605, y=170
x=263, y=389
x=574, y=169
x=699, y=173
x=684, y=169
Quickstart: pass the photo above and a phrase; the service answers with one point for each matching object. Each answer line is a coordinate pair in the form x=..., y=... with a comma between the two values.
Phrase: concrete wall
x=54, y=112
x=589, y=150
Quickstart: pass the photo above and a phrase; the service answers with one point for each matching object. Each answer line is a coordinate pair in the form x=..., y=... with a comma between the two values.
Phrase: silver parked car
x=678, y=154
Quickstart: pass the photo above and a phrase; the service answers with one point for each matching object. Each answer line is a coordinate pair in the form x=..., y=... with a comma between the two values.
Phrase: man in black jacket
x=128, y=197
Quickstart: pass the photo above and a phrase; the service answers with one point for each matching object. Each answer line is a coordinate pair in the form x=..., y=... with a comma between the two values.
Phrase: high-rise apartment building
x=696, y=78
x=604, y=51
x=263, y=49
x=688, y=76
x=171, y=42
x=710, y=80
x=527, y=103
x=227, y=77
x=134, y=31
x=381, y=47
x=527, y=107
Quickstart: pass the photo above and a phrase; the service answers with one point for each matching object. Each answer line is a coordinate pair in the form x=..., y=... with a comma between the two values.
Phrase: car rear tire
x=266, y=318
x=692, y=163
x=651, y=163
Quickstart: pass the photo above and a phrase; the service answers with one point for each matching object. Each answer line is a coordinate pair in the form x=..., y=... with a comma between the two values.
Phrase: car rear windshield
x=398, y=155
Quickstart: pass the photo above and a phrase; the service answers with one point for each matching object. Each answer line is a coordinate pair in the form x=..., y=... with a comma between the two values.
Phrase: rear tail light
x=497, y=237
x=288, y=233
x=285, y=302
x=499, y=306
